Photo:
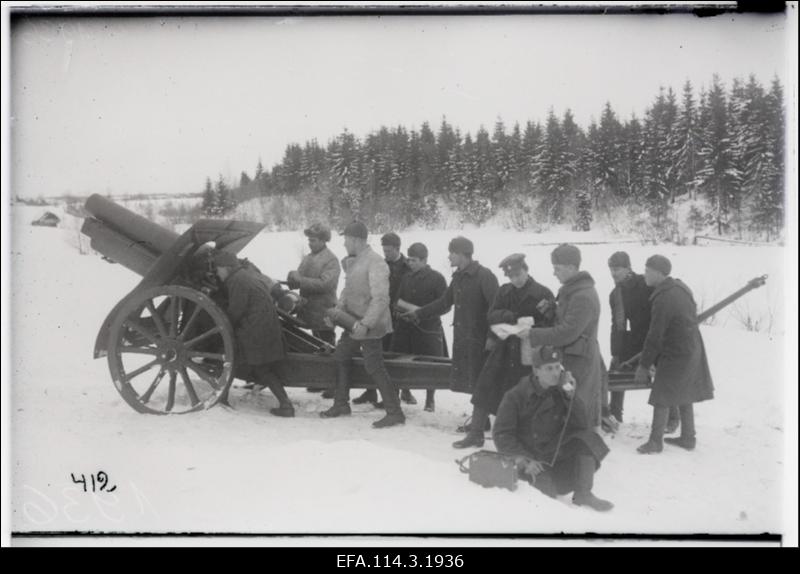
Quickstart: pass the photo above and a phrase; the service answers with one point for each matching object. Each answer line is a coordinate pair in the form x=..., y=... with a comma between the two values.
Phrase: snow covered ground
x=244, y=470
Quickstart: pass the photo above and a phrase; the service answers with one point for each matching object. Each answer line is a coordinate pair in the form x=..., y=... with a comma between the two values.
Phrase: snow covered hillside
x=243, y=470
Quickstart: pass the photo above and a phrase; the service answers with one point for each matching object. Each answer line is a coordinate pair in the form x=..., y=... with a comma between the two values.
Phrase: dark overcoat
x=575, y=332
x=530, y=421
x=256, y=327
x=471, y=292
x=426, y=337
x=397, y=270
x=675, y=346
x=635, y=296
x=503, y=368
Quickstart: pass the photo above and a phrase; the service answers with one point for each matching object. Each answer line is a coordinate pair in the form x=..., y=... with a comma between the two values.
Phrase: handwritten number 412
x=99, y=482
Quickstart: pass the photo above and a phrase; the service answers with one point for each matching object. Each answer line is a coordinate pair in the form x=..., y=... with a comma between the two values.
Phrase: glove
x=642, y=376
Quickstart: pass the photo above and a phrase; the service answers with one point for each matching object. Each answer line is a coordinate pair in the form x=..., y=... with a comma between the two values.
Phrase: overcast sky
x=155, y=105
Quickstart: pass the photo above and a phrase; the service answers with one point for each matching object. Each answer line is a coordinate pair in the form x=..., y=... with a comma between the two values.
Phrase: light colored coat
x=319, y=278
x=366, y=292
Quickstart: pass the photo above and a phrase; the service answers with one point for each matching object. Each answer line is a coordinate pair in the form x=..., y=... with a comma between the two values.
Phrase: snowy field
x=243, y=470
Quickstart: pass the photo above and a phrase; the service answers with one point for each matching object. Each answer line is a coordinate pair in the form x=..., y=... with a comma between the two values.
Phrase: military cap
x=566, y=254
x=513, y=263
x=356, y=229
x=225, y=259
x=418, y=250
x=545, y=354
x=391, y=238
x=461, y=245
x=320, y=231
x=659, y=263
x=619, y=259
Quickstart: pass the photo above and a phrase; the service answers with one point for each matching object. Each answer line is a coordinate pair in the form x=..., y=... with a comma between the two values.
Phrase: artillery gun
x=169, y=327
x=170, y=347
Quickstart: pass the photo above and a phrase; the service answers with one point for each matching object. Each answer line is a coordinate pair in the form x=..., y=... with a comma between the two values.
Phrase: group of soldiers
x=546, y=383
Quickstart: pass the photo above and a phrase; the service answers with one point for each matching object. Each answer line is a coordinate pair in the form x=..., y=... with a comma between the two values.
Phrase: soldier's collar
x=470, y=269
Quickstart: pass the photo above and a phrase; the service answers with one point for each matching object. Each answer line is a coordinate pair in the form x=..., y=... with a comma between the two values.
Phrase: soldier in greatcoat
x=674, y=346
x=521, y=297
x=260, y=353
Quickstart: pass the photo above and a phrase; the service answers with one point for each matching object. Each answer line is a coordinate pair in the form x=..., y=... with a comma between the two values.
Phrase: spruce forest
x=708, y=160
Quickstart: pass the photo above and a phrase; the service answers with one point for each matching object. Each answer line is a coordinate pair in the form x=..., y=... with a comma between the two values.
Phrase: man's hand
x=293, y=280
x=642, y=376
x=359, y=330
x=534, y=467
x=568, y=383
x=409, y=316
x=529, y=466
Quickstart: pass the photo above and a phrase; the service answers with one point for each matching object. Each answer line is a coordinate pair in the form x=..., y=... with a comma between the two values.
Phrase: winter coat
x=628, y=342
x=575, y=332
x=366, y=292
x=425, y=337
x=675, y=346
x=256, y=327
x=318, y=281
x=531, y=418
x=503, y=368
x=472, y=292
x=397, y=270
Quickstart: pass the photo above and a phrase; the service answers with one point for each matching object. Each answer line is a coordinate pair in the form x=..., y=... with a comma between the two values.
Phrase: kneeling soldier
x=545, y=427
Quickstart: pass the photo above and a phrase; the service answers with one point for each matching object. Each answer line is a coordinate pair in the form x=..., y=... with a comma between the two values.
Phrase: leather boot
x=472, y=439
x=430, y=404
x=655, y=443
x=687, y=439
x=585, y=467
x=684, y=442
x=390, y=420
x=467, y=426
x=336, y=411
x=283, y=411
x=368, y=396
x=673, y=421
x=590, y=500
x=407, y=397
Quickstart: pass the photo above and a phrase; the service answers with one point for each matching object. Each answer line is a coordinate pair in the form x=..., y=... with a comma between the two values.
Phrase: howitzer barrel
x=123, y=236
x=130, y=225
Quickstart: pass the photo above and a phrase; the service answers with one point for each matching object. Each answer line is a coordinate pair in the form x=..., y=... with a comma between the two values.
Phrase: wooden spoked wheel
x=171, y=351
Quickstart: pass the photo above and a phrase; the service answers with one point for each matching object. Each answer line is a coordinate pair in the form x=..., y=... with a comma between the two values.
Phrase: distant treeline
x=721, y=147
